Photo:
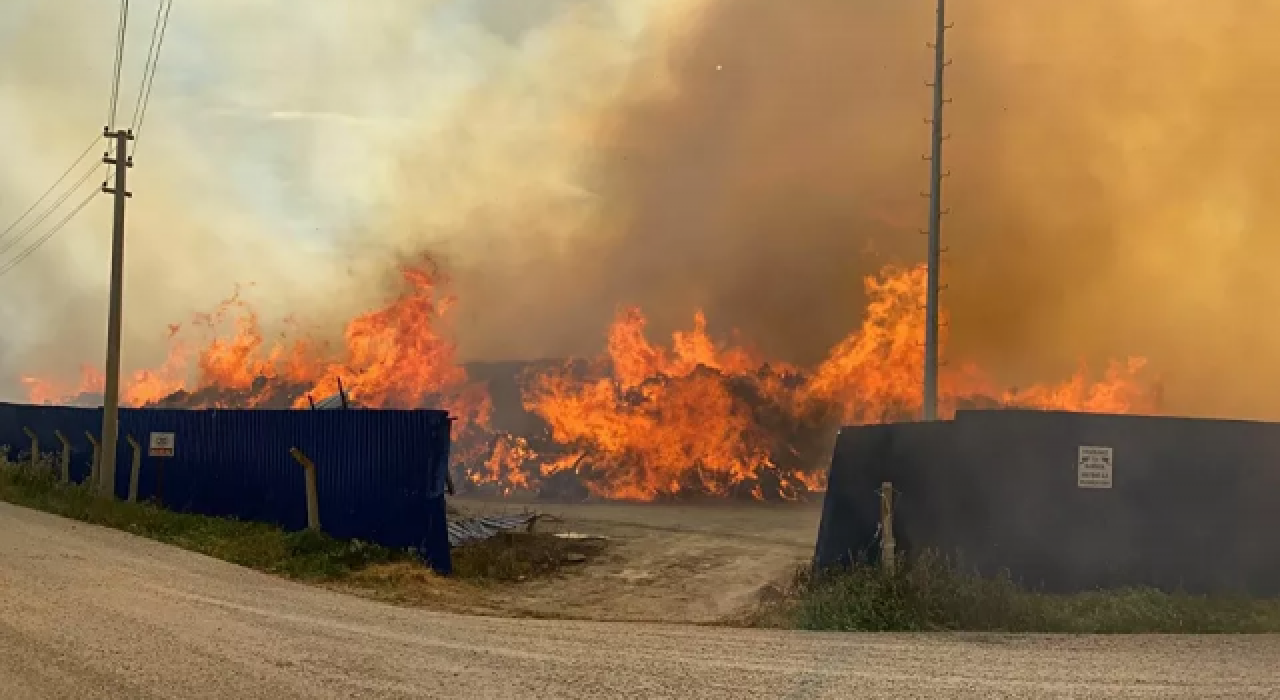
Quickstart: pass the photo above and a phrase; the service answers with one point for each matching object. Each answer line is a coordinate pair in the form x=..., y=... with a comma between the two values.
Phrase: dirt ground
x=667, y=563
x=88, y=613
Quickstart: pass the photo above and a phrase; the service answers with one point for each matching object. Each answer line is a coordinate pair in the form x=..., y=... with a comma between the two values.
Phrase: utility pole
x=115, y=313
x=940, y=64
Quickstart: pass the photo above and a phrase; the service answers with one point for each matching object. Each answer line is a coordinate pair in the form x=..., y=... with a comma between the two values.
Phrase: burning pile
x=640, y=422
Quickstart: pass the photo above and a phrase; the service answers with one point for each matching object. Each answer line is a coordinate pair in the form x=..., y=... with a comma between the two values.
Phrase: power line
x=149, y=74
x=66, y=195
x=153, y=56
x=146, y=67
x=26, y=253
x=119, y=64
x=52, y=187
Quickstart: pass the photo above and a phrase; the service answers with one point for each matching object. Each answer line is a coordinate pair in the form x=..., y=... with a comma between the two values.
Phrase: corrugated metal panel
x=381, y=474
x=1194, y=505
x=330, y=403
x=466, y=530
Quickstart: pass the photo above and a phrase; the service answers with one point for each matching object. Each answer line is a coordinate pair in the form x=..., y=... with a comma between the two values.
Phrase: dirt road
x=93, y=613
x=665, y=563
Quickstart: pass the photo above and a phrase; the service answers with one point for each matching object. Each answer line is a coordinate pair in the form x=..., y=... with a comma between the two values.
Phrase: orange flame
x=642, y=421
x=392, y=357
x=663, y=421
x=505, y=465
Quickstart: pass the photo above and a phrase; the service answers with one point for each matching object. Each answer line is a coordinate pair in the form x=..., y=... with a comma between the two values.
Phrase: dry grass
x=932, y=594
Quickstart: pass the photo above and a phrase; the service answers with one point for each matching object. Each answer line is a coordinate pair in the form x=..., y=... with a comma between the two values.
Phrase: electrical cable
x=14, y=241
x=52, y=187
x=121, y=33
x=149, y=77
x=26, y=253
x=146, y=68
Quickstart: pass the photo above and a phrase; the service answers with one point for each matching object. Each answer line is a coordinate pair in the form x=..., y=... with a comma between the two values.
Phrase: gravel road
x=92, y=613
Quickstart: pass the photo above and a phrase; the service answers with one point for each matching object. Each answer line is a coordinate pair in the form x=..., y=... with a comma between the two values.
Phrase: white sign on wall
x=160, y=445
x=1094, y=466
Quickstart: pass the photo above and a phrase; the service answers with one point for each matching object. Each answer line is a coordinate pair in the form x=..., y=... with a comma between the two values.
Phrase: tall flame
x=642, y=421
x=657, y=422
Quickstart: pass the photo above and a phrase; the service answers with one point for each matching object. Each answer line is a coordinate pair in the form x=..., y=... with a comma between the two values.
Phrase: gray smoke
x=756, y=158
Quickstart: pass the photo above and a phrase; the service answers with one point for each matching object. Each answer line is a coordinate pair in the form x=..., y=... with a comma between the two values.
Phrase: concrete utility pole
x=115, y=312
x=940, y=64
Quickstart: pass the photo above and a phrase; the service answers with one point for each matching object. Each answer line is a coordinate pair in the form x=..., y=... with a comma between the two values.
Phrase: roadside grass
x=934, y=594
x=306, y=555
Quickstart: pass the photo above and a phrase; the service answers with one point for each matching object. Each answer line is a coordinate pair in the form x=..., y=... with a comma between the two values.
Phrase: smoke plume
x=1109, y=172
x=1108, y=158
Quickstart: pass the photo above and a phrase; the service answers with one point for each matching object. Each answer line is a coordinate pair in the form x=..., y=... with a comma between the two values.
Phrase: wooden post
x=97, y=460
x=135, y=468
x=66, y=455
x=888, y=546
x=313, y=498
x=35, y=446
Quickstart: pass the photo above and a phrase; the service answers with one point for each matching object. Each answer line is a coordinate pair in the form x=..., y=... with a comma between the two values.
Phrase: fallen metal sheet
x=467, y=530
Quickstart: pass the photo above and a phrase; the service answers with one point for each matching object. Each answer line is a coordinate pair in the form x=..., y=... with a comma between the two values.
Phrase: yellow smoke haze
x=1110, y=170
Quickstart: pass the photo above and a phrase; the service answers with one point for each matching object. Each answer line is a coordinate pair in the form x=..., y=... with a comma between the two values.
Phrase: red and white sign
x=161, y=445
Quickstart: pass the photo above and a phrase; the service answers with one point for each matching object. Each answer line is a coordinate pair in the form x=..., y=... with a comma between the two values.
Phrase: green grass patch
x=305, y=555
x=932, y=593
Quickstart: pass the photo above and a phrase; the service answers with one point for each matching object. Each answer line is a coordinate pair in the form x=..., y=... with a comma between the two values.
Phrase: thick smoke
x=273, y=151
x=1109, y=169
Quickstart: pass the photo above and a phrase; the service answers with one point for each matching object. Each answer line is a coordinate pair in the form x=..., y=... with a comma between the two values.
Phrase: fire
x=396, y=356
x=874, y=374
x=652, y=435
x=505, y=465
x=642, y=421
x=646, y=422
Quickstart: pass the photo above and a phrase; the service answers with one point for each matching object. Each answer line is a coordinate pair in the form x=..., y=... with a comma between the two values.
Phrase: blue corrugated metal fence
x=381, y=474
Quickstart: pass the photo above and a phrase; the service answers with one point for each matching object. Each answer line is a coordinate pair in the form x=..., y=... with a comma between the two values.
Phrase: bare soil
x=667, y=563
x=706, y=563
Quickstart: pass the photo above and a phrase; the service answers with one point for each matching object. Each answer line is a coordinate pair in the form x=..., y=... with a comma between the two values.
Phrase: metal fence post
x=136, y=467
x=97, y=459
x=313, y=498
x=35, y=446
x=66, y=455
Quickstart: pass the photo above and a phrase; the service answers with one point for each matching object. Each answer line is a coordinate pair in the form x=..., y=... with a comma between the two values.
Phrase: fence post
x=35, y=446
x=137, y=467
x=888, y=545
x=313, y=499
x=97, y=459
x=66, y=455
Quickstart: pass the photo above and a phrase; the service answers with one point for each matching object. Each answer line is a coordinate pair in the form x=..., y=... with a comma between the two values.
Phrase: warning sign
x=161, y=445
x=1093, y=467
